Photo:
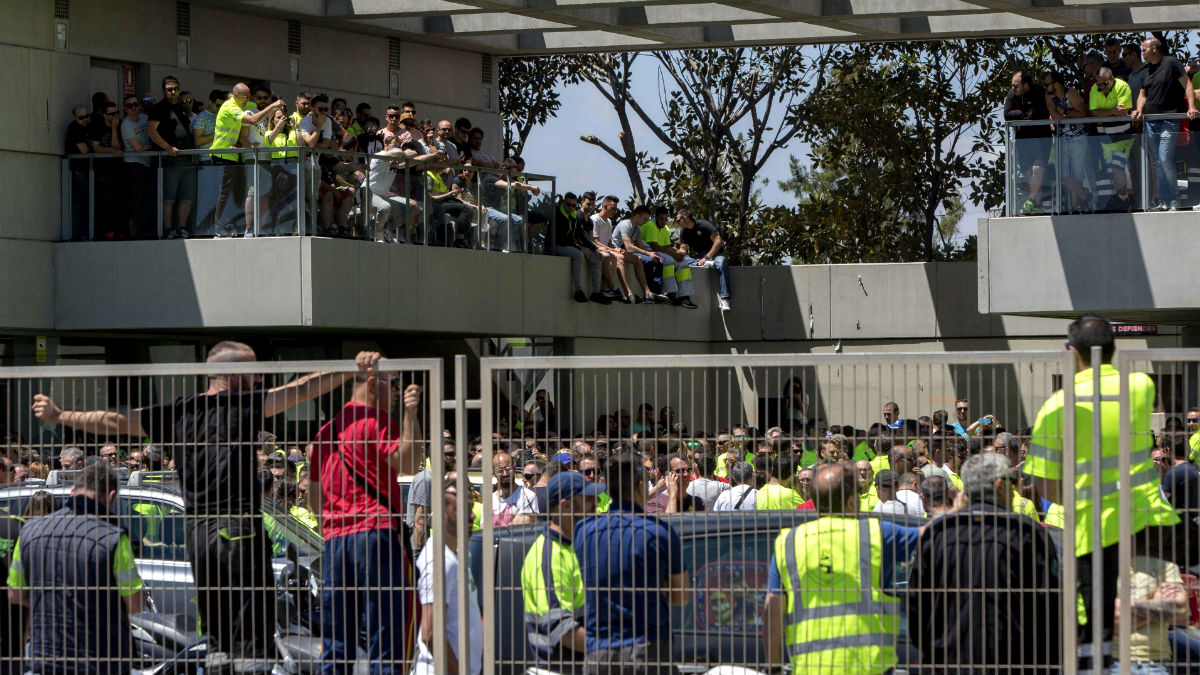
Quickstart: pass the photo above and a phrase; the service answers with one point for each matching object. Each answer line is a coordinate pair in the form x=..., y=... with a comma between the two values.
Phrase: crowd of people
x=598, y=583
x=428, y=182
x=1097, y=163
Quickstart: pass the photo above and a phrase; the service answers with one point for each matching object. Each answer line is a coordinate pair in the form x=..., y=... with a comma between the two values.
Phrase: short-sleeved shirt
x=625, y=557
x=898, y=543
x=418, y=495
x=77, y=134
x=1119, y=94
x=352, y=448
x=308, y=125
x=228, y=127
x=131, y=128
x=125, y=573
x=1160, y=84
x=602, y=229
x=626, y=228
x=1181, y=485
x=102, y=134
x=653, y=234
x=423, y=664
x=213, y=440
x=206, y=122
x=1150, y=642
x=173, y=124
x=698, y=237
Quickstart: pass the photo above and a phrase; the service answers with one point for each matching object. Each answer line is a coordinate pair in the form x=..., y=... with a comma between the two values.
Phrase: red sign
x=130, y=80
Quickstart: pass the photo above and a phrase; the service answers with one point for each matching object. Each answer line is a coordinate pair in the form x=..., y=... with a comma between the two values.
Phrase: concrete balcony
x=1132, y=267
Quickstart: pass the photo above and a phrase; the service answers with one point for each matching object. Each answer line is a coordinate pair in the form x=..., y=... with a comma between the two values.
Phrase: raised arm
x=100, y=422
x=407, y=460
x=311, y=386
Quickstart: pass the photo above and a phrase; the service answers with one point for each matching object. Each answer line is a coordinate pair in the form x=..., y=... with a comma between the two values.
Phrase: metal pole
x=300, y=188
x=463, y=523
x=1058, y=160
x=488, y=582
x=1125, y=543
x=1144, y=172
x=91, y=200
x=437, y=523
x=257, y=194
x=159, y=194
x=1095, y=619
x=1069, y=610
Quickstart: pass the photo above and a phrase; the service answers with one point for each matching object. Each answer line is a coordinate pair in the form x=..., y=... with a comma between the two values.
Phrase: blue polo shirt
x=624, y=558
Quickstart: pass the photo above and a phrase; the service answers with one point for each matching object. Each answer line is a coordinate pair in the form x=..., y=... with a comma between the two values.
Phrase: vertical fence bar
x=254, y=165
x=91, y=200
x=463, y=522
x=488, y=582
x=1143, y=139
x=158, y=203
x=301, y=158
x=1010, y=172
x=1058, y=178
x=1124, y=489
x=1095, y=622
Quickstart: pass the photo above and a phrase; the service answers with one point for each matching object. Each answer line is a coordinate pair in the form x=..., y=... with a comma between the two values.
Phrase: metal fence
x=560, y=570
x=1101, y=164
x=287, y=191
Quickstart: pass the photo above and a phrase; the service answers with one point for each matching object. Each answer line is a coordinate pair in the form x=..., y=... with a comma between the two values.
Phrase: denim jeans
x=721, y=266
x=369, y=589
x=1140, y=668
x=1160, y=135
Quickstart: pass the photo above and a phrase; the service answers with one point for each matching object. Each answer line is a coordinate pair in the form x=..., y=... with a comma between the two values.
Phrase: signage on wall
x=129, y=79
x=1134, y=329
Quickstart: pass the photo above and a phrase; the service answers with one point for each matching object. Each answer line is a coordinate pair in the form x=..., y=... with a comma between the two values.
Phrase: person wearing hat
x=551, y=583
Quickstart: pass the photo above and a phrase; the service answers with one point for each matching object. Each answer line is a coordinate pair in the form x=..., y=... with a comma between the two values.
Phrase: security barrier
x=744, y=555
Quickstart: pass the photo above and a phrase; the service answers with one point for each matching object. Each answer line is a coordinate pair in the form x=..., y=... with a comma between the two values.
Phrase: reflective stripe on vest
x=852, y=634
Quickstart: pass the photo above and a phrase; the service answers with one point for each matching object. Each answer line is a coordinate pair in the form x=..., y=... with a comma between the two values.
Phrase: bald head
x=230, y=352
x=241, y=89
x=834, y=489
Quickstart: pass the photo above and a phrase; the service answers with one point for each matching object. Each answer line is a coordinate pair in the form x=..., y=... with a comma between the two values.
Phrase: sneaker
x=580, y=297
x=1159, y=206
x=630, y=299
x=1029, y=208
x=182, y=234
x=723, y=303
x=249, y=235
x=650, y=299
x=661, y=298
x=1173, y=206
x=687, y=303
x=600, y=298
x=611, y=294
x=707, y=263
x=1196, y=207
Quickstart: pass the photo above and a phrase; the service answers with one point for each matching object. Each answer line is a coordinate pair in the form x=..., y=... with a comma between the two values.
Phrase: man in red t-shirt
x=367, y=574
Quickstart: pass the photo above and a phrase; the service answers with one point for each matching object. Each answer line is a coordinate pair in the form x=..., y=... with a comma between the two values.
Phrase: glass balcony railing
x=1101, y=164
x=301, y=191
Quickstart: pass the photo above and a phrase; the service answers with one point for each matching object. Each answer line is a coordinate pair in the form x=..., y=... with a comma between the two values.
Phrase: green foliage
x=529, y=96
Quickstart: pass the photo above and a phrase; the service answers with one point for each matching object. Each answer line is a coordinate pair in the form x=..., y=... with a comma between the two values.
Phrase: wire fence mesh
x=819, y=513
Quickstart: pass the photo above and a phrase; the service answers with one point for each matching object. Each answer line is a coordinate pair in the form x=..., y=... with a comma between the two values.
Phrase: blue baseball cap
x=564, y=457
x=567, y=484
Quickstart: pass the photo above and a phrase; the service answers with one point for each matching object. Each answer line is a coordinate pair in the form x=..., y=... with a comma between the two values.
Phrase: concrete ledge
x=1135, y=267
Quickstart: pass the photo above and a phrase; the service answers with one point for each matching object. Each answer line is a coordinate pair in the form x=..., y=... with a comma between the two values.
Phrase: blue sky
x=555, y=148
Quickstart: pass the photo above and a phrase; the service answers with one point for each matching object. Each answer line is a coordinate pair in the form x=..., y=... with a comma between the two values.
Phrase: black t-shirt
x=76, y=134
x=1182, y=485
x=213, y=440
x=1164, y=93
x=698, y=237
x=173, y=124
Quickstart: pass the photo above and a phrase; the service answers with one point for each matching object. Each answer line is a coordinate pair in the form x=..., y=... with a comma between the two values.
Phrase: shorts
x=179, y=182
x=339, y=196
x=263, y=171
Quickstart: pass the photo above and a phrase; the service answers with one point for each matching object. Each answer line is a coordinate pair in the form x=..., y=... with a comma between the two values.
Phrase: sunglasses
x=81, y=118
x=444, y=131
x=323, y=110
x=589, y=472
x=681, y=470
x=530, y=477
x=129, y=105
x=962, y=409
x=170, y=90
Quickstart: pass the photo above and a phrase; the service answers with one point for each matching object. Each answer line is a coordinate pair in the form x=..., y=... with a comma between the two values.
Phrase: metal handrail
x=318, y=151
x=1088, y=120
x=663, y=362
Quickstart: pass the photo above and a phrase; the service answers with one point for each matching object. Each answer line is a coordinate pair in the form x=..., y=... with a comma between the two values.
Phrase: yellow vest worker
x=1048, y=450
x=1046, y=455
x=833, y=571
x=553, y=591
x=880, y=463
x=229, y=127
x=775, y=497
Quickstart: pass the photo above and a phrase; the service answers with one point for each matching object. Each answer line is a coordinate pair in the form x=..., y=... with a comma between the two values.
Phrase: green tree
x=529, y=96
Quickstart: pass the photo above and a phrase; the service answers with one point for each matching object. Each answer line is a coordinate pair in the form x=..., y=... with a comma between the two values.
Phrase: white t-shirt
x=424, y=660
x=135, y=129
x=602, y=229
x=307, y=126
x=381, y=177
x=906, y=502
x=730, y=498
x=708, y=490
x=526, y=501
